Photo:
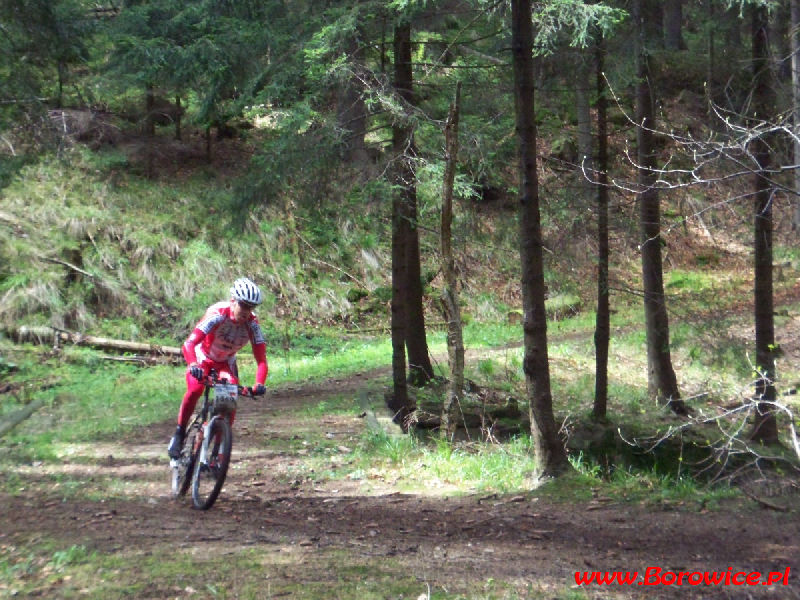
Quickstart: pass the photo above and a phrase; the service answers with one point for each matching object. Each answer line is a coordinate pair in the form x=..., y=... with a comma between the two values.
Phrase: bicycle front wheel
x=209, y=474
x=183, y=468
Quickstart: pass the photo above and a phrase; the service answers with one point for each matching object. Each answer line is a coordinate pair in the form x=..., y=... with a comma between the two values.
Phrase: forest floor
x=312, y=534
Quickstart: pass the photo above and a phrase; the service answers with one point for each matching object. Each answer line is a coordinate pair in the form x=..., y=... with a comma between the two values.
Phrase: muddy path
x=453, y=545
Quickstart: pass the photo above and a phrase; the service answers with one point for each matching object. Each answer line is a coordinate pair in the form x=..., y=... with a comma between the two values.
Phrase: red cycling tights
x=194, y=389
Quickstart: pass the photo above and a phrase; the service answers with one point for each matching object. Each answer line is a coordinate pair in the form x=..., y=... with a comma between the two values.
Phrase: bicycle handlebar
x=213, y=378
x=248, y=392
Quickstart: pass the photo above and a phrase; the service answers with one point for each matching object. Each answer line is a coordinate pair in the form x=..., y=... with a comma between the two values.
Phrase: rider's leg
x=194, y=389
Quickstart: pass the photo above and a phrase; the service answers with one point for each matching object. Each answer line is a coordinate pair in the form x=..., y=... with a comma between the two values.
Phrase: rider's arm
x=260, y=354
x=189, y=352
x=259, y=350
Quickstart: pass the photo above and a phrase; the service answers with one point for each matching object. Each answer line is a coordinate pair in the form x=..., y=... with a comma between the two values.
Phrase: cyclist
x=225, y=329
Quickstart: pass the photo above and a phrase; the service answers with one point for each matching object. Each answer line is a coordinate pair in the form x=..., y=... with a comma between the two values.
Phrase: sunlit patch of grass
x=439, y=464
x=502, y=468
x=486, y=367
x=348, y=358
x=654, y=487
x=394, y=448
x=75, y=554
x=490, y=334
x=590, y=480
x=426, y=466
x=689, y=281
x=332, y=405
x=89, y=399
x=42, y=565
x=575, y=486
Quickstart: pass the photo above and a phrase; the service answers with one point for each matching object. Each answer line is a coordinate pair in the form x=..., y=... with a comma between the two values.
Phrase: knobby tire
x=207, y=482
x=182, y=474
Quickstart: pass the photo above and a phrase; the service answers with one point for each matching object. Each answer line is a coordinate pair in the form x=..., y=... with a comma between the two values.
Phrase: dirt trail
x=450, y=543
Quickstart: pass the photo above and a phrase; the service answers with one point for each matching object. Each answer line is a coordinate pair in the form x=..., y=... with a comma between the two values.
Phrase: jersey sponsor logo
x=227, y=339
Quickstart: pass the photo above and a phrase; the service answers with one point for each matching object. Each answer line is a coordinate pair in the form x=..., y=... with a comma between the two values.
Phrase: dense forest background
x=628, y=164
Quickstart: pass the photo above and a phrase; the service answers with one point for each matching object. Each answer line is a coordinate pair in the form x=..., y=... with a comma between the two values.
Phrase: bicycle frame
x=211, y=383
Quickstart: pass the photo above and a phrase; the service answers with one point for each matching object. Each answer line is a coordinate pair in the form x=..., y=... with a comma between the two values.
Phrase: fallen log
x=46, y=335
x=20, y=415
x=152, y=359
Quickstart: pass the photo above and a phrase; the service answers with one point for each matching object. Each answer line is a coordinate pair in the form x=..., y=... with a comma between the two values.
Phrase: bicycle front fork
x=205, y=438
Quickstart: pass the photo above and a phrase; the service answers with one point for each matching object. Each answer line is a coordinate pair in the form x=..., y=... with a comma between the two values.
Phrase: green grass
x=591, y=480
x=502, y=468
x=51, y=568
x=436, y=466
x=89, y=398
x=478, y=334
x=348, y=357
x=333, y=405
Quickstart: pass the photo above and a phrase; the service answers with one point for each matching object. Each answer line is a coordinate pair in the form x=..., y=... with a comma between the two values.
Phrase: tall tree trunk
x=400, y=402
x=602, y=331
x=351, y=111
x=450, y=307
x=383, y=43
x=149, y=108
x=765, y=428
x=652, y=13
x=207, y=138
x=178, y=116
x=584, y=68
x=61, y=76
x=150, y=128
x=780, y=43
x=732, y=25
x=420, y=368
x=673, y=25
x=550, y=453
x=710, y=51
x=662, y=383
x=795, y=44
x=419, y=362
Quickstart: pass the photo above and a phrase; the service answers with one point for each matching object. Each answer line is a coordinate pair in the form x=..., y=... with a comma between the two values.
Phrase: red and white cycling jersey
x=218, y=337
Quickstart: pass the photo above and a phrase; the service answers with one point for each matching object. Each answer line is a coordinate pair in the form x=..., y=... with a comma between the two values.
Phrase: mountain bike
x=208, y=442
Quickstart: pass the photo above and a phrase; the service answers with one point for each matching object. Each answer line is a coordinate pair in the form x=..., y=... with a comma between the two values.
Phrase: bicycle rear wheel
x=183, y=468
x=209, y=474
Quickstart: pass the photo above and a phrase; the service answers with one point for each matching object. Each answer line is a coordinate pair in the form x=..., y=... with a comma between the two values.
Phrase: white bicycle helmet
x=244, y=290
